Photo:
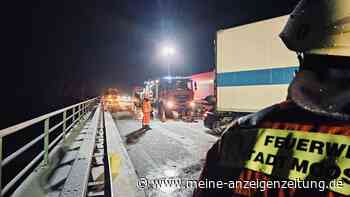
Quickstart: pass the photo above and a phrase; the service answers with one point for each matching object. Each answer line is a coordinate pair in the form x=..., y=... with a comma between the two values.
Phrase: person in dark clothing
x=303, y=139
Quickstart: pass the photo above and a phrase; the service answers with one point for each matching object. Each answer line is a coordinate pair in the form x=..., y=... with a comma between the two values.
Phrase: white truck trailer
x=253, y=69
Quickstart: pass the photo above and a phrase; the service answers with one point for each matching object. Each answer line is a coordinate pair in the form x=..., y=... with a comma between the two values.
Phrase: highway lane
x=173, y=149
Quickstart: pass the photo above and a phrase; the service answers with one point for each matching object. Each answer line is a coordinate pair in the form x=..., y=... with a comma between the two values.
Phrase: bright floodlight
x=168, y=51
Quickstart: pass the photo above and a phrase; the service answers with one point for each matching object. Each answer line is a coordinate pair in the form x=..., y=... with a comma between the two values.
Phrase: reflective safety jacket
x=282, y=150
x=146, y=106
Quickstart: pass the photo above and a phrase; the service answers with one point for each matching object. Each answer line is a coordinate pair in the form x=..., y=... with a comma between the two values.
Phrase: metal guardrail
x=108, y=190
x=76, y=183
x=77, y=112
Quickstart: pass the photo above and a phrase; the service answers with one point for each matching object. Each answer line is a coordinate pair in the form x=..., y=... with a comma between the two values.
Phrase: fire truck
x=171, y=97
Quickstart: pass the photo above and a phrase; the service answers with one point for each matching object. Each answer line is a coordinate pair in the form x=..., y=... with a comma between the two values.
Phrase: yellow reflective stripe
x=115, y=163
x=306, y=149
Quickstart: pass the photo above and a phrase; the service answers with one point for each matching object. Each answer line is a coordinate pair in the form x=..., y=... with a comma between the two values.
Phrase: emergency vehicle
x=171, y=97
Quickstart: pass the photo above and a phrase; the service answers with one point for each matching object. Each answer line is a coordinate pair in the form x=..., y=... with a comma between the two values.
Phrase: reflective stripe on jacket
x=146, y=106
x=283, y=143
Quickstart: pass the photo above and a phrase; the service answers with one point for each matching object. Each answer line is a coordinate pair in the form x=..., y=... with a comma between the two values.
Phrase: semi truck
x=253, y=70
x=172, y=97
x=203, y=84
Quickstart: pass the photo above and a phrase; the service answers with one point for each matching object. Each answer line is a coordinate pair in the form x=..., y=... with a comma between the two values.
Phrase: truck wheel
x=168, y=114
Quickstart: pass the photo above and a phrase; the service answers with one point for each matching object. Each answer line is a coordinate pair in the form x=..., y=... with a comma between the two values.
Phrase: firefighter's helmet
x=319, y=27
x=320, y=30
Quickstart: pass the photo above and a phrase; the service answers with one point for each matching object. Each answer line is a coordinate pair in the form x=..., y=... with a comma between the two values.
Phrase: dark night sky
x=78, y=47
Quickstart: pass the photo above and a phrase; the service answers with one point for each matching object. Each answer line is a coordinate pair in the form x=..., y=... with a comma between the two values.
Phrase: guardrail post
x=73, y=115
x=46, y=141
x=79, y=110
x=64, y=127
x=0, y=165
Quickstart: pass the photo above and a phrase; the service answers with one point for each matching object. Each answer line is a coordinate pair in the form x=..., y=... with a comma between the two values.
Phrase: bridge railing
x=76, y=112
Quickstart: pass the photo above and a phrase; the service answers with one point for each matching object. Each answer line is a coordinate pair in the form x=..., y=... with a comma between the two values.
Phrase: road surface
x=173, y=149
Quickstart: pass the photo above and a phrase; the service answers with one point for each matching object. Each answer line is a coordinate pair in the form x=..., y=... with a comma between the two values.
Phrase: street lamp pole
x=168, y=67
x=157, y=91
x=168, y=52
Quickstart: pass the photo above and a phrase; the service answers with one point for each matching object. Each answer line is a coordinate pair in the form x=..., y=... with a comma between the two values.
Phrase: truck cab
x=171, y=96
x=176, y=94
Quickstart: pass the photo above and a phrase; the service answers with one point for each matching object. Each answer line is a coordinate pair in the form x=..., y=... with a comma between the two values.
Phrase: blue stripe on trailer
x=272, y=76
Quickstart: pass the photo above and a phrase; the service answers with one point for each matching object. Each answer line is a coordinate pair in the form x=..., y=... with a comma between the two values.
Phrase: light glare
x=168, y=51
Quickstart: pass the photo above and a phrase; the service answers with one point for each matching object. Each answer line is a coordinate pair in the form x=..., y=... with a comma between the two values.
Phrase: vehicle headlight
x=192, y=104
x=170, y=104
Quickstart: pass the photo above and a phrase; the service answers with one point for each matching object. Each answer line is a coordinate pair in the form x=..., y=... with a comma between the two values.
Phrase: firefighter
x=307, y=137
x=146, y=110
